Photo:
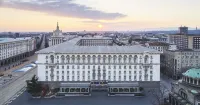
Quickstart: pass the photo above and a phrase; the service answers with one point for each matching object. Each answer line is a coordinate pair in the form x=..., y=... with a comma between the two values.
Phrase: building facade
x=186, y=91
x=159, y=46
x=12, y=50
x=193, y=41
x=177, y=61
x=57, y=37
x=94, y=63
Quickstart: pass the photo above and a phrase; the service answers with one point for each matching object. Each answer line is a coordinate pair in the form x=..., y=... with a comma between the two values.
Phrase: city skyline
x=112, y=15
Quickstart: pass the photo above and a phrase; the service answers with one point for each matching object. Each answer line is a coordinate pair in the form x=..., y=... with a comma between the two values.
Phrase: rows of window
x=104, y=67
x=99, y=59
x=96, y=76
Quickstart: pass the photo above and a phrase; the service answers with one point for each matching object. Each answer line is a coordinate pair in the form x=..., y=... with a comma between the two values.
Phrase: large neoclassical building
x=85, y=64
x=57, y=37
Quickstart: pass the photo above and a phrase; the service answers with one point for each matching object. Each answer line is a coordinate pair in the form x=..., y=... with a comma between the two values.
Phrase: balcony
x=52, y=75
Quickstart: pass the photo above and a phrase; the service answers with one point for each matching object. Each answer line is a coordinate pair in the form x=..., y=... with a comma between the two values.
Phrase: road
x=166, y=81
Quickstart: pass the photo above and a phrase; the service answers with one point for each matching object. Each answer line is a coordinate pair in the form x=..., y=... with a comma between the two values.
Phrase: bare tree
x=159, y=95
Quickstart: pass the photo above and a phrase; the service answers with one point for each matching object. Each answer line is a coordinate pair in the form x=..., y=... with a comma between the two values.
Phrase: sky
x=97, y=15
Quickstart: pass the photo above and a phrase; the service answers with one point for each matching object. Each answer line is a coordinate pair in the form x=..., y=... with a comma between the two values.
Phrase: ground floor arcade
x=14, y=61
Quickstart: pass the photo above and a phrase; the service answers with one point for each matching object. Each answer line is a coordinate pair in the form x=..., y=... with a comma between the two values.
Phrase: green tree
x=33, y=87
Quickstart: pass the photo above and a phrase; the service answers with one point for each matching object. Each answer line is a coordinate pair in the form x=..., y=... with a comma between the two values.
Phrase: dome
x=193, y=73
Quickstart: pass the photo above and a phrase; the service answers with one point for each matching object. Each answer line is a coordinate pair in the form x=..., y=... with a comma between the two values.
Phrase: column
x=189, y=80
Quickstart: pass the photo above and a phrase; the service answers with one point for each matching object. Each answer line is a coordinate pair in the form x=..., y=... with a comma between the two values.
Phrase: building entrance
x=99, y=85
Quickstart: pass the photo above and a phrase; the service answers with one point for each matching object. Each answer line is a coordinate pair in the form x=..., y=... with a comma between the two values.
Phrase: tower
x=57, y=26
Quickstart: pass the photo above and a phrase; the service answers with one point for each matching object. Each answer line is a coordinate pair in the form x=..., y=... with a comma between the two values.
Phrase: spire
x=57, y=26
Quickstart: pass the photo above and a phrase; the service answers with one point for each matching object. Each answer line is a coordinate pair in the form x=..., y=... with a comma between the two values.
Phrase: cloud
x=61, y=8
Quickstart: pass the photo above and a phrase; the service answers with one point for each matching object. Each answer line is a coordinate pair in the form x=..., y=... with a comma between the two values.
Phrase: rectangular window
x=88, y=67
x=73, y=67
x=151, y=67
x=119, y=78
x=151, y=72
x=124, y=78
x=62, y=72
x=135, y=67
x=57, y=72
x=46, y=78
x=62, y=67
x=83, y=67
x=114, y=72
x=114, y=78
x=109, y=67
x=46, y=72
x=114, y=67
x=72, y=78
x=78, y=67
x=62, y=78
x=119, y=67
x=135, y=72
x=124, y=67
x=46, y=67
x=109, y=78
x=83, y=78
x=78, y=72
x=129, y=67
x=57, y=78
x=57, y=67
x=140, y=77
x=88, y=78
x=67, y=67
x=67, y=78
x=129, y=78
x=151, y=78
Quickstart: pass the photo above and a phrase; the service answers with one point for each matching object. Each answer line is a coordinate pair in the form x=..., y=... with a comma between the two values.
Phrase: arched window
x=109, y=58
x=135, y=59
x=78, y=59
x=130, y=59
x=62, y=59
x=146, y=59
x=182, y=92
x=68, y=59
x=83, y=57
x=104, y=59
x=119, y=59
x=99, y=58
x=73, y=59
x=88, y=58
x=114, y=58
x=125, y=59
x=52, y=58
x=93, y=58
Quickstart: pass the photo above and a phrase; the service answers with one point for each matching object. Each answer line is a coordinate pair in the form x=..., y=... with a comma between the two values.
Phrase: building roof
x=193, y=73
x=6, y=40
x=72, y=47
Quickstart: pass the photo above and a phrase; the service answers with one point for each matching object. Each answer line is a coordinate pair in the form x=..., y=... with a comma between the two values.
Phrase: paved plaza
x=97, y=98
